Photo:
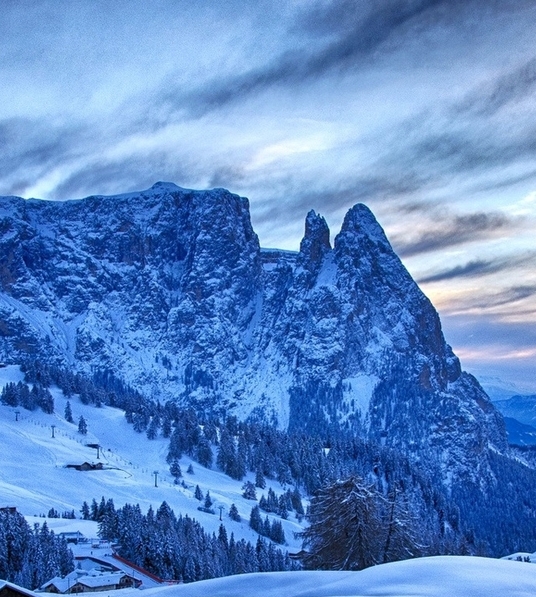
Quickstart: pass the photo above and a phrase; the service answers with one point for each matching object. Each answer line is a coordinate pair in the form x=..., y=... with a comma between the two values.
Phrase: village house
x=86, y=466
x=84, y=581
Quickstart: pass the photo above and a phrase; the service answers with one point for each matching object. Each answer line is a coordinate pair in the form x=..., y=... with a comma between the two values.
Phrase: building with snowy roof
x=84, y=581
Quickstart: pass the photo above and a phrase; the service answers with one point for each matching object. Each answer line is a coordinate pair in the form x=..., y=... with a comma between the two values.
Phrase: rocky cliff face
x=169, y=289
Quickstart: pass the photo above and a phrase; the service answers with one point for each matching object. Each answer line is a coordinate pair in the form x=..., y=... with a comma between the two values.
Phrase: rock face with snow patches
x=169, y=289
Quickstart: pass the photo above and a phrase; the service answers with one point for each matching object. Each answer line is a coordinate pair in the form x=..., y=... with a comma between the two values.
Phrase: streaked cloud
x=449, y=230
x=480, y=267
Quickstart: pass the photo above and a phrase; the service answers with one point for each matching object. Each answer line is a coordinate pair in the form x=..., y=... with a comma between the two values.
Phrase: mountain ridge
x=169, y=289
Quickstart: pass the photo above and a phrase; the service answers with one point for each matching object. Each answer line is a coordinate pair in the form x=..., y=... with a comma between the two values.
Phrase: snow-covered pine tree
x=175, y=470
x=233, y=513
x=346, y=531
x=248, y=491
x=68, y=414
x=82, y=425
x=255, y=520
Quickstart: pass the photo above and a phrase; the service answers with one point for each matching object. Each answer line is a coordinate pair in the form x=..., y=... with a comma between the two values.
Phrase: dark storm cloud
x=508, y=296
x=432, y=148
x=513, y=295
x=480, y=267
x=280, y=209
x=451, y=230
x=506, y=182
x=337, y=37
x=227, y=176
x=338, y=196
x=472, y=269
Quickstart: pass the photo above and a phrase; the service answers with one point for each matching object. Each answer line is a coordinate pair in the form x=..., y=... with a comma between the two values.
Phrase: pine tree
x=152, y=429
x=108, y=522
x=282, y=507
x=203, y=453
x=260, y=481
x=233, y=513
x=166, y=426
x=297, y=502
x=198, y=494
x=208, y=501
x=277, y=534
x=255, y=520
x=248, y=491
x=175, y=470
x=222, y=537
x=94, y=510
x=175, y=446
x=345, y=531
x=82, y=425
x=10, y=395
x=400, y=537
x=68, y=413
x=45, y=400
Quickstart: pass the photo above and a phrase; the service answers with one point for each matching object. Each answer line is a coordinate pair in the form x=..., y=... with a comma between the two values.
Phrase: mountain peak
x=315, y=243
x=360, y=221
x=165, y=186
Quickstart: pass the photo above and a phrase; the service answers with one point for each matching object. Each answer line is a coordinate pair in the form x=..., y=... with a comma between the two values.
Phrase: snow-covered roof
x=91, y=579
x=102, y=580
x=62, y=585
x=147, y=579
x=14, y=587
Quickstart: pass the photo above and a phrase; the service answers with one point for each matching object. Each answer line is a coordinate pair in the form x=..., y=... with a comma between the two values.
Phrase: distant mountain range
x=520, y=418
x=499, y=389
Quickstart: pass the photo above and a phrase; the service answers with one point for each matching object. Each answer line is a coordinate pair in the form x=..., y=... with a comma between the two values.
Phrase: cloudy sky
x=425, y=110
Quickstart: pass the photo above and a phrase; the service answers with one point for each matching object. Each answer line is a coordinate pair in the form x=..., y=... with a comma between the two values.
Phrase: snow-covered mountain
x=34, y=473
x=170, y=290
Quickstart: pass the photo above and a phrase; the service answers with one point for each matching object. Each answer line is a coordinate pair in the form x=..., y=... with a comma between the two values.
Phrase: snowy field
x=446, y=576
x=33, y=476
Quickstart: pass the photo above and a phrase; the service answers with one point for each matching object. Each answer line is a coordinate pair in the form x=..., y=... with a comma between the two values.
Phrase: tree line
x=30, y=557
x=466, y=516
x=177, y=547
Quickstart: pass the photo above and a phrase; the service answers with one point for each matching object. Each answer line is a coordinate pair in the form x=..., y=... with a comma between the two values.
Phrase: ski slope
x=33, y=476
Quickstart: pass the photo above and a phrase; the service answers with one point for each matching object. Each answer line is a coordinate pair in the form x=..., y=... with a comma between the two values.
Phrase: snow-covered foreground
x=445, y=576
x=33, y=476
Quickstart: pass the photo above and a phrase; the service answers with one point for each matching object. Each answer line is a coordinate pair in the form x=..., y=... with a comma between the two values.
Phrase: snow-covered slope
x=33, y=476
x=169, y=290
x=426, y=577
